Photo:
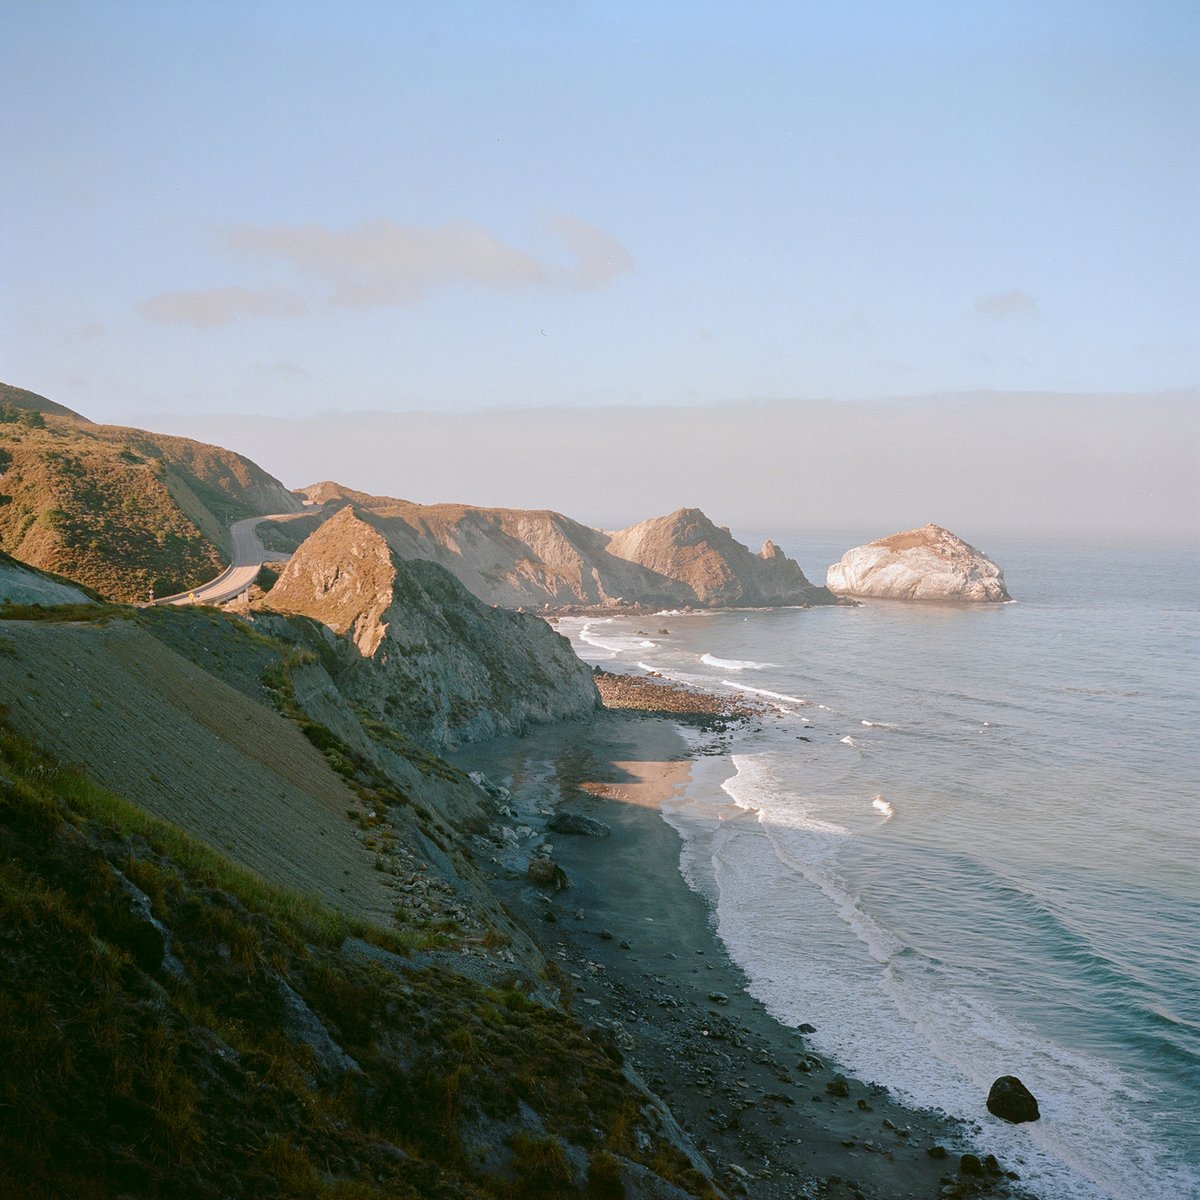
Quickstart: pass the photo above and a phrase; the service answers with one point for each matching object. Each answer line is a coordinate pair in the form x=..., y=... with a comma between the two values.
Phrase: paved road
x=249, y=554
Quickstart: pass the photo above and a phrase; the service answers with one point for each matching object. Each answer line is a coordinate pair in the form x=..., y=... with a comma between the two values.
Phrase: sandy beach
x=641, y=958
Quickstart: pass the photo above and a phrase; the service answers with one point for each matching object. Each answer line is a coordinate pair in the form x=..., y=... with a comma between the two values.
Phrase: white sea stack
x=929, y=563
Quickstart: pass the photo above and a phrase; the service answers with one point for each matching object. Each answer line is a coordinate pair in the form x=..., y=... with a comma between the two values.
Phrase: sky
x=333, y=216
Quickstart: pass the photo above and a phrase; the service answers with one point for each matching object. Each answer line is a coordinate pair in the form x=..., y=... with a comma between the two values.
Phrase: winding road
x=249, y=554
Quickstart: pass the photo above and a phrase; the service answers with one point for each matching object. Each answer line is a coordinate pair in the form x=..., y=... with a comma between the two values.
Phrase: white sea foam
x=895, y=1016
x=612, y=642
x=764, y=692
x=881, y=805
x=734, y=664
x=878, y=725
x=646, y=644
x=585, y=635
x=914, y=972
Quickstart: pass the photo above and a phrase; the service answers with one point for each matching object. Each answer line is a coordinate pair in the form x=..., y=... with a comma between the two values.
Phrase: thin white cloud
x=599, y=258
x=282, y=369
x=220, y=306
x=1007, y=304
x=381, y=263
x=85, y=333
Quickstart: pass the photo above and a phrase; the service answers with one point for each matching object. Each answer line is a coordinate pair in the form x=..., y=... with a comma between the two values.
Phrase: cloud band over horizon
x=381, y=264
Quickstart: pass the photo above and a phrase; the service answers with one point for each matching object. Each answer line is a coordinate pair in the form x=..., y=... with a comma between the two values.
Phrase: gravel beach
x=640, y=958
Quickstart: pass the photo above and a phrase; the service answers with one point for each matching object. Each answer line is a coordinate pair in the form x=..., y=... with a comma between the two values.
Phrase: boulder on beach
x=578, y=825
x=1012, y=1101
x=545, y=872
x=929, y=563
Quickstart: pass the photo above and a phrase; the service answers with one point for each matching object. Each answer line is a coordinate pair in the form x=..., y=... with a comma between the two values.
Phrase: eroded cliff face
x=420, y=651
x=715, y=568
x=542, y=559
x=929, y=563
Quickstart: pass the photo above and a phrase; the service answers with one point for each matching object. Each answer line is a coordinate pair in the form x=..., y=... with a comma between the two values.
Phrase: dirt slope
x=171, y=738
x=20, y=584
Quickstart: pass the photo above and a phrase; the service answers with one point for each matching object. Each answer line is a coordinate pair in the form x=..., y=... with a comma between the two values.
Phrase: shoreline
x=638, y=950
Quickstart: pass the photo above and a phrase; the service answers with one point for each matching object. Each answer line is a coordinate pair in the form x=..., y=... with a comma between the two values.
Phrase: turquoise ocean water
x=964, y=843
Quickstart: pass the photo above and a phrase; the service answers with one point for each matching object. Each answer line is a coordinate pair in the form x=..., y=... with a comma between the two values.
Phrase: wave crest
x=734, y=664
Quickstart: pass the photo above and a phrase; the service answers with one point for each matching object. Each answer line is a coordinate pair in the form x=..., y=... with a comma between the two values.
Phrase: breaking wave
x=734, y=664
x=763, y=692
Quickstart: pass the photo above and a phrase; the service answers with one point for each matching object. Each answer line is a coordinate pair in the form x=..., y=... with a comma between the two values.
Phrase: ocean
x=963, y=843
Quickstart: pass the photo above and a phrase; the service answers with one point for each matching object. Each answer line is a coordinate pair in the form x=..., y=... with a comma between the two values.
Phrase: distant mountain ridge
x=131, y=513
x=541, y=559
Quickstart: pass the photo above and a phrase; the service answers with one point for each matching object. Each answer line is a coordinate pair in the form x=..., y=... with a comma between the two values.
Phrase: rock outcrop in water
x=419, y=650
x=542, y=559
x=1012, y=1101
x=929, y=563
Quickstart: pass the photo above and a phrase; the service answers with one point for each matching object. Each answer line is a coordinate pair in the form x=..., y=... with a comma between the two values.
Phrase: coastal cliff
x=543, y=559
x=419, y=650
x=929, y=563
x=716, y=568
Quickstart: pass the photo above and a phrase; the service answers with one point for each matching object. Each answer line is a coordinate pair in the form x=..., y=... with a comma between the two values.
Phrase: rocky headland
x=542, y=560
x=419, y=650
x=929, y=563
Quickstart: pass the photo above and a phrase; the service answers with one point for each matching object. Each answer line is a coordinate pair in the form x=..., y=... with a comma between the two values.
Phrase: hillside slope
x=422, y=652
x=542, y=559
x=186, y=747
x=22, y=584
x=121, y=510
x=27, y=401
x=174, y=1027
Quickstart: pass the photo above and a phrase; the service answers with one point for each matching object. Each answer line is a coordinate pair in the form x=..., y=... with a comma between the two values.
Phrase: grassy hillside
x=170, y=1025
x=120, y=510
x=26, y=401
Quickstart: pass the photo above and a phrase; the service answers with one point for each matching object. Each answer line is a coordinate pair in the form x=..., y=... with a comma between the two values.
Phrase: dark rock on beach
x=1012, y=1101
x=969, y=1164
x=578, y=825
x=545, y=872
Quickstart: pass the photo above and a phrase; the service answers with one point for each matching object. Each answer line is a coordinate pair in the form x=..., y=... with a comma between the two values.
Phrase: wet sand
x=639, y=950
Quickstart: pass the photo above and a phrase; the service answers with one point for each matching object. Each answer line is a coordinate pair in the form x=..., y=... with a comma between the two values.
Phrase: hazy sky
x=291, y=209
x=1114, y=468
x=297, y=207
